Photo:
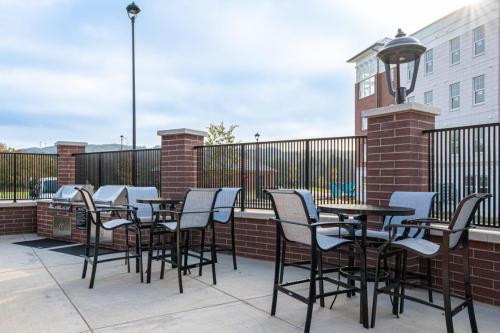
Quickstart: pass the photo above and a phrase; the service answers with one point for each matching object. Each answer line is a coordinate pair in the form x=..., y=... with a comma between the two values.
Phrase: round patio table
x=165, y=203
x=361, y=213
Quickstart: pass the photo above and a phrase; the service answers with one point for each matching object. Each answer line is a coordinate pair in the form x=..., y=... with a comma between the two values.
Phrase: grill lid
x=68, y=193
x=111, y=195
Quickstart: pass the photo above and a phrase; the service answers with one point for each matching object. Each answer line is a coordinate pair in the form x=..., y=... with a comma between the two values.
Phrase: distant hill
x=88, y=149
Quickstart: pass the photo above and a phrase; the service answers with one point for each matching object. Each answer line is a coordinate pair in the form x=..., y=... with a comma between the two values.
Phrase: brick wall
x=66, y=162
x=17, y=218
x=178, y=161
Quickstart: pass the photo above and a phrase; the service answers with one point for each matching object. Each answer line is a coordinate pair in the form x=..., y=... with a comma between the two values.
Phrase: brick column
x=178, y=160
x=397, y=150
x=66, y=161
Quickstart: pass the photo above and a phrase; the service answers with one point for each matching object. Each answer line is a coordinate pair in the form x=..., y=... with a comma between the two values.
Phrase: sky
x=277, y=67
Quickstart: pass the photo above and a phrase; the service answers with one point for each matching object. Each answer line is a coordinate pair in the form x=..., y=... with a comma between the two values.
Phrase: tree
x=218, y=134
x=5, y=149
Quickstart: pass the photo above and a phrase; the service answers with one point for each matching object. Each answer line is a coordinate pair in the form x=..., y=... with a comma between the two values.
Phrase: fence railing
x=465, y=160
x=25, y=176
x=139, y=167
x=332, y=168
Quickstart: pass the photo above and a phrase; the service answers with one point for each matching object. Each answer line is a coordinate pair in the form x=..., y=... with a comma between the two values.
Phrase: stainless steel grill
x=67, y=195
x=111, y=195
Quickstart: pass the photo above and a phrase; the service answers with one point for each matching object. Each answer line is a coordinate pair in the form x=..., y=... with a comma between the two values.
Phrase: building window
x=411, y=68
x=479, y=45
x=454, y=143
x=428, y=97
x=429, y=61
x=410, y=99
x=455, y=96
x=367, y=87
x=364, y=123
x=455, y=51
x=478, y=86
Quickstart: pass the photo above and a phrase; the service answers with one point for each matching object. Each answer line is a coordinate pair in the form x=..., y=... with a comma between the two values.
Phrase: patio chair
x=455, y=236
x=144, y=211
x=326, y=230
x=294, y=224
x=94, y=215
x=224, y=204
x=196, y=214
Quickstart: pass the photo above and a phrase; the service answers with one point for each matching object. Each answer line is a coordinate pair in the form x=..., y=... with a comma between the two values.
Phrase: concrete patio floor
x=41, y=291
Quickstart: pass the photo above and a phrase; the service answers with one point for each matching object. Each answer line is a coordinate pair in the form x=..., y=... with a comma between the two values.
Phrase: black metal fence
x=26, y=176
x=332, y=168
x=465, y=160
x=139, y=167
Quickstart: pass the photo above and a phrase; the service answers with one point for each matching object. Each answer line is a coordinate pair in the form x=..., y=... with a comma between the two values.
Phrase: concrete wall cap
x=391, y=109
x=70, y=143
x=182, y=131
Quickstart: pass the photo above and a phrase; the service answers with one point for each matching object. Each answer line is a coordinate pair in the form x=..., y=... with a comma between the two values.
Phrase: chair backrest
x=89, y=203
x=420, y=201
x=464, y=215
x=144, y=211
x=197, y=207
x=224, y=204
x=290, y=206
x=311, y=206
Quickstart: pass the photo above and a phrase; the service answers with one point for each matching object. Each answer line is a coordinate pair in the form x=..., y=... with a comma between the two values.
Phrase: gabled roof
x=372, y=47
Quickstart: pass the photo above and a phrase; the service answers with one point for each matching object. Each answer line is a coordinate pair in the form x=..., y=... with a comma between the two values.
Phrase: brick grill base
x=18, y=219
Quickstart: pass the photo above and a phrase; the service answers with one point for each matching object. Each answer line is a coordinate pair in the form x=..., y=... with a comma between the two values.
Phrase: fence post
x=15, y=177
x=99, y=168
x=179, y=160
x=242, y=178
x=66, y=161
x=307, y=171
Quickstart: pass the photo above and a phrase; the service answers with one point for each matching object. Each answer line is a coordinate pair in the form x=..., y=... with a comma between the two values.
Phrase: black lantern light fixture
x=257, y=136
x=400, y=50
x=132, y=11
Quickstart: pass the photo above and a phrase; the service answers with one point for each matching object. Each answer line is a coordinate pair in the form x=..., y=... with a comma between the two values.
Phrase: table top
x=361, y=209
x=159, y=201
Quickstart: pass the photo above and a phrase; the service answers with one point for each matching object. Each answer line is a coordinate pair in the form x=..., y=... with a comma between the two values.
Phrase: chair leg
x=233, y=244
x=321, y=284
x=186, y=251
x=375, y=291
x=467, y=287
x=402, y=300
x=202, y=251
x=137, y=246
x=446, y=292
x=150, y=254
x=87, y=250
x=312, y=290
x=277, y=267
x=397, y=285
x=429, y=279
x=96, y=256
x=179, y=258
x=162, y=268
x=214, y=255
x=350, y=263
x=127, y=250
x=282, y=262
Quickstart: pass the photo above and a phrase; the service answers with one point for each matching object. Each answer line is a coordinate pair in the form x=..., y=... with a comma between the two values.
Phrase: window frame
x=427, y=61
x=475, y=42
x=474, y=91
x=432, y=97
x=452, y=51
x=361, y=85
x=451, y=96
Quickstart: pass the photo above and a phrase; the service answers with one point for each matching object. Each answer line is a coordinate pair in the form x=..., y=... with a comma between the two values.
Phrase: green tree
x=218, y=134
x=5, y=149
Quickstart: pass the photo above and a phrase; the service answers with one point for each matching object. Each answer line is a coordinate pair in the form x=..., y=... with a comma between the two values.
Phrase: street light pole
x=132, y=11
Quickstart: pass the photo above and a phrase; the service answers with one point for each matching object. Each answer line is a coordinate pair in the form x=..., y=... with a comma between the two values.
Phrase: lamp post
x=257, y=166
x=121, y=142
x=132, y=11
x=400, y=50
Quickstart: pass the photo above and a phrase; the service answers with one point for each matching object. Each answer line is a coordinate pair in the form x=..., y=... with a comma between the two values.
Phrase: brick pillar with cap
x=66, y=162
x=397, y=150
x=179, y=160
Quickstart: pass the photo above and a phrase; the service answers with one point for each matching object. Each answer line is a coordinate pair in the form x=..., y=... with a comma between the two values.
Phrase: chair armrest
x=424, y=227
x=341, y=223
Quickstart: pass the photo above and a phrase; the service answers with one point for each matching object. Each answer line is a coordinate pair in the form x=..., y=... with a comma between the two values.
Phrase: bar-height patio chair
x=454, y=237
x=144, y=211
x=196, y=214
x=294, y=224
x=94, y=215
x=224, y=204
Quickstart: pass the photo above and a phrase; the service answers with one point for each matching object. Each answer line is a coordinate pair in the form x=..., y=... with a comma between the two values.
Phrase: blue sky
x=273, y=66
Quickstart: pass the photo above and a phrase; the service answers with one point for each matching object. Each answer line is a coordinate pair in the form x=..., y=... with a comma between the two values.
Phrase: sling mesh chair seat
x=455, y=236
x=196, y=214
x=294, y=224
x=94, y=216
